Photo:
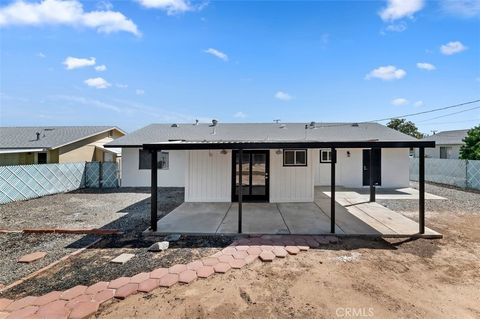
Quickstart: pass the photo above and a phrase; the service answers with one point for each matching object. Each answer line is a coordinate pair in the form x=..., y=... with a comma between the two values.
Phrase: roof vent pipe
x=174, y=125
x=38, y=136
x=214, y=122
x=196, y=122
x=312, y=124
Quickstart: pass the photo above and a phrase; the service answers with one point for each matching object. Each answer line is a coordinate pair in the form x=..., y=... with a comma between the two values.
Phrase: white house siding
x=349, y=169
x=208, y=176
x=290, y=183
x=132, y=176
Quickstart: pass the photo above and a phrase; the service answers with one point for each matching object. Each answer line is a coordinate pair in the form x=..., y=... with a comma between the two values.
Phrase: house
x=57, y=144
x=203, y=158
x=447, y=144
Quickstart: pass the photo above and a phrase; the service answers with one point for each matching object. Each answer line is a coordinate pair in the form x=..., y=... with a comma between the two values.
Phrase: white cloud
x=121, y=86
x=399, y=101
x=101, y=68
x=217, y=54
x=240, y=115
x=452, y=47
x=426, y=66
x=462, y=8
x=67, y=12
x=386, y=73
x=398, y=9
x=399, y=27
x=170, y=6
x=41, y=55
x=418, y=104
x=75, y=63
x=99, y=83
x=139, y=92
x=282, y=96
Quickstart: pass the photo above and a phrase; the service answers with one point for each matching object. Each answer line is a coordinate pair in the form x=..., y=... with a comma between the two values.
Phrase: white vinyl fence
x=22, y=182
x=456, y=172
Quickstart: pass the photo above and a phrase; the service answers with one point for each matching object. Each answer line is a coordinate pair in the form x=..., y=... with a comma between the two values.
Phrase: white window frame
x=329, y=156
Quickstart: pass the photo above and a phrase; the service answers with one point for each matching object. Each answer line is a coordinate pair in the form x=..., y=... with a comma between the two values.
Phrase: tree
x=471, y=148
x=406, y=127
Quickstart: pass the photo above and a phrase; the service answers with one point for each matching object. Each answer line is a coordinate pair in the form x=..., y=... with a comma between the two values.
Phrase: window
x=325, y=156
x=144, y=160
x=294, y=157
x=445, y=152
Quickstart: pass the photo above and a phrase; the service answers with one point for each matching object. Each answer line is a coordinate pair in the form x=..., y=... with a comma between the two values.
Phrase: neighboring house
x=281, y=162
x=447, y=143
x=57, y=144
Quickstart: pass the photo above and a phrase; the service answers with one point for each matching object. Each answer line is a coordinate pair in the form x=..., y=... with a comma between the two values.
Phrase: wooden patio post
x=240, y=190
x=332, y=190
x=153, y=190
x=421, y=190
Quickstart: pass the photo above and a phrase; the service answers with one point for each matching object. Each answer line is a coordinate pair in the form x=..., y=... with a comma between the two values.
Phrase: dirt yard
x=356, y=278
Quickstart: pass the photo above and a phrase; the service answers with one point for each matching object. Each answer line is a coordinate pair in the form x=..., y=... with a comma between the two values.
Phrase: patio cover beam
x=209, y=145
x=333, y=160
x=153, y=190
x=421, y=191
x=240, y=190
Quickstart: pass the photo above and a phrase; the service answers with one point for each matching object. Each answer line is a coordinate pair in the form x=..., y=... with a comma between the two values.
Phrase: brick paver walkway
x=82, y=301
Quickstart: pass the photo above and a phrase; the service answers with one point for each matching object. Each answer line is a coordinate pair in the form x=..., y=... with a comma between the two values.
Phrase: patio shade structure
x=240, y=146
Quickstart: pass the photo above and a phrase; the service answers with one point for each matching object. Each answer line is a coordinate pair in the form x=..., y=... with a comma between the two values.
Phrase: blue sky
x=132, y=63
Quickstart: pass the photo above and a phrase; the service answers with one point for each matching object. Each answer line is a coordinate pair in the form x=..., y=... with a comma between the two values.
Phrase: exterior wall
x=349, y=170
x=17, y=159
x=290, y=183
x=132, y=176
x=85, y=150
x=208, y=176
x=435, y=152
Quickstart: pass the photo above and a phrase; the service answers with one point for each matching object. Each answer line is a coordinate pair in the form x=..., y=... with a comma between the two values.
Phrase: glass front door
x=254, y=175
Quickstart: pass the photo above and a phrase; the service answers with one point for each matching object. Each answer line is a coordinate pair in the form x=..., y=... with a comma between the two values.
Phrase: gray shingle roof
x=260, y=132
x=50, y=136
x=447, y=137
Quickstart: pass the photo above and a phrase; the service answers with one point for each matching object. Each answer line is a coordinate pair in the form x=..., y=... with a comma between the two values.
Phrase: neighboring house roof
x=51, y=137
x=447, y=137
x=260, y=132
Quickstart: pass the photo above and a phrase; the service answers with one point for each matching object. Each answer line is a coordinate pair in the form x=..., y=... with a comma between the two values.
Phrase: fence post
x=85, y=185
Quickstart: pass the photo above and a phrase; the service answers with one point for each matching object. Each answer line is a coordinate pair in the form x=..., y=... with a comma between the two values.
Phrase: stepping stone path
x=82, y=302
x=32, y=257
x=121, y=259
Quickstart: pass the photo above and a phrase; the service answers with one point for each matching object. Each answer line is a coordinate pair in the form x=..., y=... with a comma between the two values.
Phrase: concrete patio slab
x=305, y=218
x=355, y=216
x=258, y=218
x=194, y=218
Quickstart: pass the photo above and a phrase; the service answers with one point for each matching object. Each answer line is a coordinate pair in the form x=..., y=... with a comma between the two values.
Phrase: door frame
x=251, y=198
x=377, y=163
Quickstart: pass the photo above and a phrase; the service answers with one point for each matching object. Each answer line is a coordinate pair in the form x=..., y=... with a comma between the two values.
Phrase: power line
x=449, y=114
x=425, y=112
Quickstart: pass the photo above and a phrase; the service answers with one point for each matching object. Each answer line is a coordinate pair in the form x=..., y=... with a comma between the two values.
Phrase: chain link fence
x=456, y=172
x=23, y=182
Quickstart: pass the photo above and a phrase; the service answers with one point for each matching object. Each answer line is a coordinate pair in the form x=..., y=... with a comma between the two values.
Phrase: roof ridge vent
x=283, y=125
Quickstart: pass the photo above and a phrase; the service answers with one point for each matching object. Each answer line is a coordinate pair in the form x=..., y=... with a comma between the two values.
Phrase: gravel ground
x=13, y=246
x=456, y=201
x=84, y=208
x=93, y=265
x=127, y=209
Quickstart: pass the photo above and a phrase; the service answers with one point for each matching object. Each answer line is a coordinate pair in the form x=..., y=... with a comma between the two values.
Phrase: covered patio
x=355, y=216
